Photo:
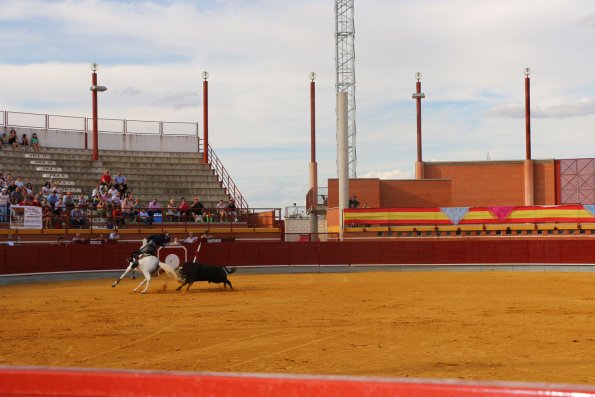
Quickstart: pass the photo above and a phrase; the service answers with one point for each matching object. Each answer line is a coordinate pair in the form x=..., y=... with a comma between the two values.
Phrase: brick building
x=477, y=184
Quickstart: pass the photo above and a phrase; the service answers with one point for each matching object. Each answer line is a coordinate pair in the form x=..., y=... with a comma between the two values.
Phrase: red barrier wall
x=32, y=258
x=18, y=381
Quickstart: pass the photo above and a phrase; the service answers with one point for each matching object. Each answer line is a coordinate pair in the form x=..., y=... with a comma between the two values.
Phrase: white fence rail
x=114, y=134
x=85, y=124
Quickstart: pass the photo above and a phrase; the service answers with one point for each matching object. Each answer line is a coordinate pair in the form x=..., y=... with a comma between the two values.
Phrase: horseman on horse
x=150, y=247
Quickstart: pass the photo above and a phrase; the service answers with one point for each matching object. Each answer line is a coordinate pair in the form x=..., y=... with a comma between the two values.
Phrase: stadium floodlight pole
x=205, y=116
x=418, y=96
x=527, y=114
x=94, y=90
x=313, y=166
x=528, y=164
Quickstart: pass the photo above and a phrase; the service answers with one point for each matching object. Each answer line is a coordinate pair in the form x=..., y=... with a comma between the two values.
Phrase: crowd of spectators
x=13, y=142
x=58, y=208
x=110, y=201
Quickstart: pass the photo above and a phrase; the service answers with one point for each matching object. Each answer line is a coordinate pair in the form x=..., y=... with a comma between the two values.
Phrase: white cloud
x=392, y=174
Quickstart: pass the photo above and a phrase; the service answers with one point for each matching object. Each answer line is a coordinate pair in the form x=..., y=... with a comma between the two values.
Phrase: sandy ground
x=535, y=327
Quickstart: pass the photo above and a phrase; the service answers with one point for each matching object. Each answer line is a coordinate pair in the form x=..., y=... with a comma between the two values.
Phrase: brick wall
x=456, y=184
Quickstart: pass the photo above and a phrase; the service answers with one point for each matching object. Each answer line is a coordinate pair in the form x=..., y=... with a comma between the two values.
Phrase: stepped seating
x=150, y=174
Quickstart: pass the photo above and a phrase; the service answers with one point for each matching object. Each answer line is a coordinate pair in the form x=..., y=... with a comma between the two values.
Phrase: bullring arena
x=478, y=325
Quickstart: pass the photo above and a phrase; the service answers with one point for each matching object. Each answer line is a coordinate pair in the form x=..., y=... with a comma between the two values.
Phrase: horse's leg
x=147, y=280
x=123, y=275
x=140, y=285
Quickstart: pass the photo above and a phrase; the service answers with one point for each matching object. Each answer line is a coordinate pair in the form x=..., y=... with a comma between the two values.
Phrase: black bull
x=190, y=272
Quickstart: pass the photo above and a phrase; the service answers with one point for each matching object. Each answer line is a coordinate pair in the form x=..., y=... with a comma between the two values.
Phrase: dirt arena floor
x=512, y=326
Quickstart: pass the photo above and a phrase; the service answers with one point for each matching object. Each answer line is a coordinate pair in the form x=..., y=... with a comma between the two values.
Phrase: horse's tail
x=169, y=270
x=230, y=270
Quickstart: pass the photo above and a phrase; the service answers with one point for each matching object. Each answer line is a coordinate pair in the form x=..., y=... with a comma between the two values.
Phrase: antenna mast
x=345, y=65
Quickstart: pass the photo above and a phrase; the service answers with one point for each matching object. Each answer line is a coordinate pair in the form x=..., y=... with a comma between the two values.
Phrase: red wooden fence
x=35, y=258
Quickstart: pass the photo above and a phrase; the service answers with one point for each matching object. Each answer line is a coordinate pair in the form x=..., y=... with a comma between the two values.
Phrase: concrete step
x=160, y=175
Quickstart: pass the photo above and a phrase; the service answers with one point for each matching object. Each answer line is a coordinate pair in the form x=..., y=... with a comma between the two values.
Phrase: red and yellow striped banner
x=474, y=215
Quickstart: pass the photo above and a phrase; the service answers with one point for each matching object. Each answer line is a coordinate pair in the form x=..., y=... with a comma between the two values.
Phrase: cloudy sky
x=259, y=52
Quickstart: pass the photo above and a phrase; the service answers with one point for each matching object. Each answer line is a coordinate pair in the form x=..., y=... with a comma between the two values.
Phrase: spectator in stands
x=46, y=189
x=29, y=189
x=106, y=179
x=77, y=239
x=99, y=240
x=222, y=211
x=97, y=191
x=25, y=141
x=118, y=217
x=56, y=188
x=116, y=199
x=10, y=185
x=19, y=181
x=172, y=211
x=143, y=216
x=120, y=183
x=101, y=208
x=353, y=202
x=68, y=201
x=196, y=209
x=95, y=200
x=40, y=197
x=191, y=238
x=46, y=216
x=154, y=208
x=175, y=241
x=77, y=217
x=16, y=196
x=13, y=140
x=82, y=201
x=59, y=207
x=109, y=219
x=53, y=199
x=34, y=201
x=232, y=210
x=35, y=142
x=127, y=207
x=3, y=141
x=114, y=235
x=183, y=209
x=4, y=204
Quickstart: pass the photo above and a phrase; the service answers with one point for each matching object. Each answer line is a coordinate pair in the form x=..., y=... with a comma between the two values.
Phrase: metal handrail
x=225, y=179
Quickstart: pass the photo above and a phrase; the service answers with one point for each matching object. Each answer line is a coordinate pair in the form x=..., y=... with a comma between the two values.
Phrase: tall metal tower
x=345, y=65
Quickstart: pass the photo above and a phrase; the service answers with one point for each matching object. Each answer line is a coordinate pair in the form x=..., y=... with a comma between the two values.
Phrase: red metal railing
x=141, y=218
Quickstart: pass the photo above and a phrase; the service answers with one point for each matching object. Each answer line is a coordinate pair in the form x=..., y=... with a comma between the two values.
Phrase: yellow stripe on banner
x=479, y=215
x=418, y=216
x=395, y=216
x=550, y=213
x=367, y=216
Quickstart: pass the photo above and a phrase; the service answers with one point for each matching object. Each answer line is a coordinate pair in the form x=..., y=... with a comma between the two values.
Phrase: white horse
x=147, y=265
